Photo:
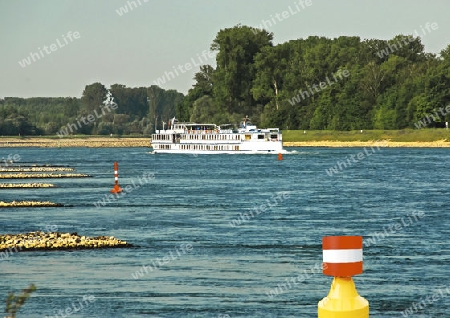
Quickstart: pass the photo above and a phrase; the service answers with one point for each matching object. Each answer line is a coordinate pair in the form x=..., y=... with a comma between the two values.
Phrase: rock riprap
x=35, y=169
x=42, y=175
x=26, y=185
x=27, y=204
x=56, y=241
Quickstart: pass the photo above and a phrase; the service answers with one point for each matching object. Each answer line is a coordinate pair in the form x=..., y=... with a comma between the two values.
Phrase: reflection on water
x=231, y=270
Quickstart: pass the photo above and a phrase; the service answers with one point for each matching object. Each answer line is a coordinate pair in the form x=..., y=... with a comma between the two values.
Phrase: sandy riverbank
x=95, y=142
x=107, y=142
x=384, y=143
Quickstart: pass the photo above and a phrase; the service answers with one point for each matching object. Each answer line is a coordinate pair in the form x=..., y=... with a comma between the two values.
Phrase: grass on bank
x=406, y=135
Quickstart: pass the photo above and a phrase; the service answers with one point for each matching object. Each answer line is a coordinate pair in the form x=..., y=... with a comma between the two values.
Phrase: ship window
x=260, y=136
x=248, y=137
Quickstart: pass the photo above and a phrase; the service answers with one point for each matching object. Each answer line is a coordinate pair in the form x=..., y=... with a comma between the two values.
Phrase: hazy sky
x=138, y=47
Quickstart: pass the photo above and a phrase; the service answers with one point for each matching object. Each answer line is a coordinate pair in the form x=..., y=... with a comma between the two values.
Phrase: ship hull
x=191, y=138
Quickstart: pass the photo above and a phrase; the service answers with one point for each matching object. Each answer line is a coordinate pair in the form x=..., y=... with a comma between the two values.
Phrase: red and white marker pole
x=117, y=188
x=342, y=259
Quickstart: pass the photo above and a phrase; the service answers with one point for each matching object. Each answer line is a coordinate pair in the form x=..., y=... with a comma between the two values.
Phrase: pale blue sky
x=140, y=46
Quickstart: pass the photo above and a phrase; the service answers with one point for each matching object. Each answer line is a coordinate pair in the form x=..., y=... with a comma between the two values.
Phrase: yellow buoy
x=342, y=258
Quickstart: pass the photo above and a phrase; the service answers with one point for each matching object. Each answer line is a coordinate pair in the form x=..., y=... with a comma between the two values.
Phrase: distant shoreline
x=108, y=142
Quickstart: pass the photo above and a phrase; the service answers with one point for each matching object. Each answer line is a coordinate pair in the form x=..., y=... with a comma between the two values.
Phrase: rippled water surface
x=230, y=270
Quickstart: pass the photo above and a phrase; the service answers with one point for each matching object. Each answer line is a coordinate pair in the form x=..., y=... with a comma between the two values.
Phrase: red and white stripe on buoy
x=342, y=255
x=117, y=188
x=116, y=173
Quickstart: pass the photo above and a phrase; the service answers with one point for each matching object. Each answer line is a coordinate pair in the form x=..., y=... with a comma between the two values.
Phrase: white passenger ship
x=192, y=138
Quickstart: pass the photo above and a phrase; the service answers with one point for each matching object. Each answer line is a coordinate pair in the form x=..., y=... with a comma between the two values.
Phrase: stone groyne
x=26, y=185
x=56, y=241
x=35, y=169
x=42, y=175
x=27, y=204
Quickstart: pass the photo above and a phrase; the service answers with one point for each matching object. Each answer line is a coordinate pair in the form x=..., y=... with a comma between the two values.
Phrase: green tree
x=203, y=86
x=93, y=97
x=236, y=49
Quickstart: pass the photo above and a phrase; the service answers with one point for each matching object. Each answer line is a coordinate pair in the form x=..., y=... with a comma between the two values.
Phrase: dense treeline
x=316, y=83
x=319, y=83
x=138, y=111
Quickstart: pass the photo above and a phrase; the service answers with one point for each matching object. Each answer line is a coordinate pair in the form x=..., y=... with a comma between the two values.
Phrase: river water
x=183, y=214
